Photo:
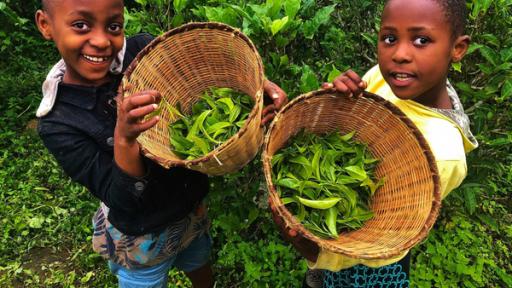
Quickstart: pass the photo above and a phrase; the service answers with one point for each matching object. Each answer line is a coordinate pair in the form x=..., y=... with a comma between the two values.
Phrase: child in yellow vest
x=418, y=42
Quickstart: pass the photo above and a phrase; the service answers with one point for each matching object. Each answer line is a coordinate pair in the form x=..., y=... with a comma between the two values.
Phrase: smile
x=96, y=59
x=402, y=76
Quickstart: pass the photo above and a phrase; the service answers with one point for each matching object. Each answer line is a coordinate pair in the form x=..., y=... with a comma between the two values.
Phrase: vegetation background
x=45, y=229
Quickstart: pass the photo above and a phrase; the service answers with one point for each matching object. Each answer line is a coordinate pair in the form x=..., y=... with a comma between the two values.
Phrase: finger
x=280, y=101
x=142, y=99
x=341, y=86
x=140, y=112
x=352, y=86
x=353, y=76
x=269, y=108
x=267, y=119
x=275, y=92
x=145, y=125
x=327, y=85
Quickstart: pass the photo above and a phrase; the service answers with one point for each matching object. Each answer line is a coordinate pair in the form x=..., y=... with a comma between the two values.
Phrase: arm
x=130, y=114
x=82, y=158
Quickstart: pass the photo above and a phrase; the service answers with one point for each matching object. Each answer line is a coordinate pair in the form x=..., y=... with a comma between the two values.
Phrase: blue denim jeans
x=193, y=257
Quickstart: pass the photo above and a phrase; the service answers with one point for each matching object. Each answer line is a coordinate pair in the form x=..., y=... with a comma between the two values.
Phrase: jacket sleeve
x=93, y=166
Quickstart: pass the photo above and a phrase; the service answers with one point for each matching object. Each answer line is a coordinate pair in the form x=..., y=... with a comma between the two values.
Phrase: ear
x=43, y=24
x=460, y=47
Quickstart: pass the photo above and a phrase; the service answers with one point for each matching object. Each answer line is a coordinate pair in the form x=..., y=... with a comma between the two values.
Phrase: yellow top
x=448, y=143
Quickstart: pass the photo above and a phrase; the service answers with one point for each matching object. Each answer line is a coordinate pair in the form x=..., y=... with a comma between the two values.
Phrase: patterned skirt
x=394, y=275
x=149, y=249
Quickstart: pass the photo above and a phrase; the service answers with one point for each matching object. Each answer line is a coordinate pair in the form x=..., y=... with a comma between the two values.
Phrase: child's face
x=415, y=49
x=88, y=35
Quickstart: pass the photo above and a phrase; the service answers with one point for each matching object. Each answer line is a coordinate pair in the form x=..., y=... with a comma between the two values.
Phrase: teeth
x=95, y=59
x=400, y=76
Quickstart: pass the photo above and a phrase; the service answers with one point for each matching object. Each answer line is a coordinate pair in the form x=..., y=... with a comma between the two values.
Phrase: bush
x=302, y=43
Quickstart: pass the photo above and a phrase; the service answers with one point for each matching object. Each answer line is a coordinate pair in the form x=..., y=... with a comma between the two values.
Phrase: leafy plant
x=214, y=119
x=326, y=181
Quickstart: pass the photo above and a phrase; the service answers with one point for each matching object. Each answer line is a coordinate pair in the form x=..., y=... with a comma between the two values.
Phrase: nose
x=100, y=39
x=402, y=53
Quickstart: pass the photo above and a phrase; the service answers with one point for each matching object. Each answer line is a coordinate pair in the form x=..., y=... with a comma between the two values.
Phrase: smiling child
x=417, y=43
x=150, y=218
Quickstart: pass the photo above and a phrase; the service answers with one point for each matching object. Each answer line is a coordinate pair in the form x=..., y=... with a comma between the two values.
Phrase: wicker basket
x=183, y=63
x=406, y=206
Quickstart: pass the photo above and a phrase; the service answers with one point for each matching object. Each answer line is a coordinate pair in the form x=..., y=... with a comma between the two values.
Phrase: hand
x=278, y=97
x=348, y=83
x=131, y=112
x=307, y=248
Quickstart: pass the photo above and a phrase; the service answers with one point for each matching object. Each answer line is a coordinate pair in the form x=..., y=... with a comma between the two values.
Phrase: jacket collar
x=85, y=97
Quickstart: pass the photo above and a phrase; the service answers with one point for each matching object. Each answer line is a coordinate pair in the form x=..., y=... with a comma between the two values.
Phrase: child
x=418, y=41
x=150, y=218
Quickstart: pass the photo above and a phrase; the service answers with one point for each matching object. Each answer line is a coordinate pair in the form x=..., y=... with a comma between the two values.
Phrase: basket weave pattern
x=183, y=63
x=406, y=206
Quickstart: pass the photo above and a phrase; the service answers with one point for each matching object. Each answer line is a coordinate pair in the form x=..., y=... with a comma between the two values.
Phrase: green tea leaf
x=278, y=24
x=319, y=204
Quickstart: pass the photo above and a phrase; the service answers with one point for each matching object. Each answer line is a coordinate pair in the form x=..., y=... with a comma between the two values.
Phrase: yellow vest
x=447, y=142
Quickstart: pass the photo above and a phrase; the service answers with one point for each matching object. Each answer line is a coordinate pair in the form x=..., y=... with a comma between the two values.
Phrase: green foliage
x=215, y=118
x=45, y=218
x=325, y=181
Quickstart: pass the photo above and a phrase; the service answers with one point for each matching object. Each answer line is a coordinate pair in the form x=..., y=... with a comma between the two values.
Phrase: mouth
x=402, y=78
x=96, y=59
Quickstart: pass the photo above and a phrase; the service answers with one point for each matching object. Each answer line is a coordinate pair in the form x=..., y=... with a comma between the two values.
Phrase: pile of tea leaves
x=326, y=181
x=215, y=118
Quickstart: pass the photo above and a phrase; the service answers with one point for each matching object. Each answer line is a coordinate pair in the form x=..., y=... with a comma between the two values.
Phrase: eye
x=80, y=26
x=421, y=41
x=389, y=39
x=115, y=27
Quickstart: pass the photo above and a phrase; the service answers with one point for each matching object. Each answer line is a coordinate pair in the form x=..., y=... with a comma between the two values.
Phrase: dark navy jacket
x=79, y=132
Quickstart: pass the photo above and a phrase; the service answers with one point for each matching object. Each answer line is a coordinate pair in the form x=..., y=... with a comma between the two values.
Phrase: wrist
x=124, y=141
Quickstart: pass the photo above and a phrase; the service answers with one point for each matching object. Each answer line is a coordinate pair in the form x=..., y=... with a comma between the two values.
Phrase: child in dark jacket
x=150, y=218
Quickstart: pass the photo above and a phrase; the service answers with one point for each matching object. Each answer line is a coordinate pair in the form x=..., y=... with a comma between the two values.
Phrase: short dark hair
x=455, y=12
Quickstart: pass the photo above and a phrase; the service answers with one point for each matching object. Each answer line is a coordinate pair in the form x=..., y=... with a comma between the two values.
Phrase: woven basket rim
x=182, y=29
x=330, y=245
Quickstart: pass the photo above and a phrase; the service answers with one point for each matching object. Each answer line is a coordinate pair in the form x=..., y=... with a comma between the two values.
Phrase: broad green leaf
x=356, y=172
x=331, y=215
x=217, y=126
x=322, y=16
x=333, y=74
x=348, y=136
x=200, y=143
x=473, y=47
x=457, y=66
x=506, y=54
x=300, y=160
x=228, y=102
x=491, y=39
x=234, y=113
x=179, y=5
x=221, y=14
x=506, y=90
x=291, y=7
x=288, y=200
x=490, y=55
x=289, y=183
x=273, y=6
x=315, y=163
x=308, y=80
x=319, y=204
x=196, y=126
x=278, y=24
